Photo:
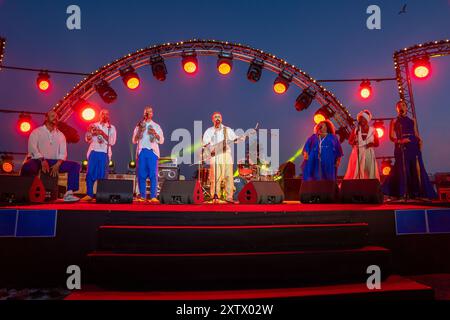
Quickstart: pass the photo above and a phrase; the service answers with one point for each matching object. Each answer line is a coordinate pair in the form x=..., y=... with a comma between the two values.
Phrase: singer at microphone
x=101, y=136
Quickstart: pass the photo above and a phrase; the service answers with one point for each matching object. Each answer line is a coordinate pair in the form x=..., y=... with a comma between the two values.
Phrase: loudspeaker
x=261, y=192
x=51, y=187
x=361, y=191
x=181, y=192
x=114, y=191
x=291, y=188
x=322, y=191
x=21, y=189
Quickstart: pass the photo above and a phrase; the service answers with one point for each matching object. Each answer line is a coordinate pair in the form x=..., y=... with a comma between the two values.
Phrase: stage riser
x=159, y=272
x=231, y=240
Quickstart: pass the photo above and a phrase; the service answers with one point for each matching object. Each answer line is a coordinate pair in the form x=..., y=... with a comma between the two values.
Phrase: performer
x=364, y=139
x=47, y=150
x=148, y=135
x=101, y=136
x=322, y=153
x=216, y=140
x=408, y=177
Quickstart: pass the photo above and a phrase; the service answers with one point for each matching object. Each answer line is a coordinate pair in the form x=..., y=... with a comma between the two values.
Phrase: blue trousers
x=32, y=167
x=97, y=169
x=147, y=167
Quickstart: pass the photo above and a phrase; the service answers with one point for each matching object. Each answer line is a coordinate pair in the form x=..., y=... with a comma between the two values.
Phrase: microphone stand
x=358, y=130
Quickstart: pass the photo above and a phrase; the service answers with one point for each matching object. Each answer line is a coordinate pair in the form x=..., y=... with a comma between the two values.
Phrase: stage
x=162, y=248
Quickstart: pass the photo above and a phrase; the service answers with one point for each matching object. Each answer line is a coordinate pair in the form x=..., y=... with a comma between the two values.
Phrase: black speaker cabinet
x=291, y=188
x=21, y=189
x=361, y=191
x=322, y=191
x=261, y=192
x=114, y=191
x=181, y=192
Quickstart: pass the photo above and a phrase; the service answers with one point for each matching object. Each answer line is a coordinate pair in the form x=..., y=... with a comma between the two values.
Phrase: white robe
x=368, y=168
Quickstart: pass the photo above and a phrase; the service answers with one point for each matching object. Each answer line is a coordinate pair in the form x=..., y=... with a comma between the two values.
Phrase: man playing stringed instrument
x=216, y=140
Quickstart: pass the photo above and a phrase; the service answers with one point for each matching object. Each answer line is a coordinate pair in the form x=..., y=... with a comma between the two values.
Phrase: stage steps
x=234, y=270
x=231, y=238
x=207, y=256
x=394, y=287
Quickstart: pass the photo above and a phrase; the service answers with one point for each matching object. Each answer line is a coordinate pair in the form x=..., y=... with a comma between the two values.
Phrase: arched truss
x=402, y=60
x=140, y=58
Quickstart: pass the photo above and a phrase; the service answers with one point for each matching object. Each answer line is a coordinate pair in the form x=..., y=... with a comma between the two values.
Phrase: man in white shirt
x=47, y=150
x=221, y=157
x=148, y=135
x=101, y=136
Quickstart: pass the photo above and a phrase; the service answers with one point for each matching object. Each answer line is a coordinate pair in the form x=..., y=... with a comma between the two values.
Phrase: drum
x=239, y=184
x=247, y=170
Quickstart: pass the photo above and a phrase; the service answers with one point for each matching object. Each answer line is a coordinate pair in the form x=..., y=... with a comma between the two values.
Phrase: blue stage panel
x=36, y=223
x=439, y=220
x=8, y=219
x=410, y=222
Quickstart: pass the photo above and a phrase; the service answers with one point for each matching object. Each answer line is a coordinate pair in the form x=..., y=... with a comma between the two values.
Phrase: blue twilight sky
x=327, y=39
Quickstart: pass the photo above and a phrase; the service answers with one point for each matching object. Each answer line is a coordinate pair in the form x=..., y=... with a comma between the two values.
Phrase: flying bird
x=403, y=9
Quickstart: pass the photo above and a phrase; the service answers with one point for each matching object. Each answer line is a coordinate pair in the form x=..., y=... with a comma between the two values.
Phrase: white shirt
x=145, y=142
x=48, y=145
x=98, y=143
x=214, y=137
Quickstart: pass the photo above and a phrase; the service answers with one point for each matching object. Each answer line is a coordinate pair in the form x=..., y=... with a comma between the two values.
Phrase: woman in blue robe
x=322, y=153
x=408, y=178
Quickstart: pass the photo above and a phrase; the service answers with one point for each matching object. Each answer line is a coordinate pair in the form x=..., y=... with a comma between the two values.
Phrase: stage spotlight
x=24, y=123
x=189, y=62
x=130, y=77
x=105, y=91
x=225, y=63
x=379, y=127
x=305, y=99
x=422, y=68
x=343, y=134
x=159, y=69
x=255, y=70
x=281, y=83
x=84, y=165
x=365, y=90
x=132, y=167
x=386, y=167
x=323, y=113
x=85, y=110
x=43, y=81
x=7, y=164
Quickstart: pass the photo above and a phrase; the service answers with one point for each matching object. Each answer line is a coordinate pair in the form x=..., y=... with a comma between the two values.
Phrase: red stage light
x=189, y=62
x=225, y=63
x=24, y=123
x=43, y=81
x=7, y=167
x=130, y=77
x=279, y=87
x=422, y=68
x=365, y=90
x=190, y=67
x=386, y=167
x=88, y=113
x=318, y=118
x=379, y=127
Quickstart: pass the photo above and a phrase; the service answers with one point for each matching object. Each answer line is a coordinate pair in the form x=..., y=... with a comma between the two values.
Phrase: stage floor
x=287, y=206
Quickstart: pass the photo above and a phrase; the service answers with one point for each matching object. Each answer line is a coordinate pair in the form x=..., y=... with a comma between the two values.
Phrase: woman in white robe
x=364, y=140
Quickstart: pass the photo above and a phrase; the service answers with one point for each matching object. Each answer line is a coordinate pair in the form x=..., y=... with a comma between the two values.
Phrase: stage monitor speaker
x=114, y=191
x=51, y=187
x=291, y=188
x=20, y=189
x=361, y=191
x=322, y=191
x=181, y=192
x=261, y=192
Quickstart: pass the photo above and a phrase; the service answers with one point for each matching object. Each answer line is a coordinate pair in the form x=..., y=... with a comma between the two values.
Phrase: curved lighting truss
x=402, y=60
x=140, y=58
